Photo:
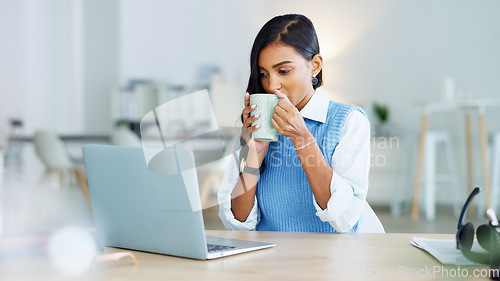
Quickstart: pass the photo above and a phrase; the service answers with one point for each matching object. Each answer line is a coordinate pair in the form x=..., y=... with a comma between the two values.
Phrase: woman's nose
x=274, y=83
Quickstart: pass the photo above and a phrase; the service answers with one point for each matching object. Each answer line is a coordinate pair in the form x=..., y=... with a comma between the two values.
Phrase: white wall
x=50, y=97
x=101, y=63
x=169, y=40
x=11, y=63
x=59, y=64
x=62, y=59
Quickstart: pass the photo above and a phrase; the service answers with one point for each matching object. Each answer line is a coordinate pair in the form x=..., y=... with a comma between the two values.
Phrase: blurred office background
x=78, y=68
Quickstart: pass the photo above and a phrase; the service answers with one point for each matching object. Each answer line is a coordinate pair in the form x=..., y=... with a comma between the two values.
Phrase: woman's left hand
x=287, y=119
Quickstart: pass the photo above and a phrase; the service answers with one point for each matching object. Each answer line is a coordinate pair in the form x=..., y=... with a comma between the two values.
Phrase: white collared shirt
x=349, y=184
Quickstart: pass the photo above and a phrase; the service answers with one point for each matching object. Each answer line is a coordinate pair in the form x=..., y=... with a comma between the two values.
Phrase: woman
x=315, y=177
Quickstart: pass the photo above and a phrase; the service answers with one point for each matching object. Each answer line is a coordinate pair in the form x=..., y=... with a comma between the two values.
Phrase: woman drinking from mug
x=315, y=177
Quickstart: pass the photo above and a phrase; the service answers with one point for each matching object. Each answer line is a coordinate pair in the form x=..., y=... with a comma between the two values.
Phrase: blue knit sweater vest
x=284, y=196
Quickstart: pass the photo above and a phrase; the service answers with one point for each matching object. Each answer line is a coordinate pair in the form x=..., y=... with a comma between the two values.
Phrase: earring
x=314, y=80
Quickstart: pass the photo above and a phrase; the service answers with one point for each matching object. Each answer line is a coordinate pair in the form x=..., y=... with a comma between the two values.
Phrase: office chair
x=125, y=137
x=53, y=153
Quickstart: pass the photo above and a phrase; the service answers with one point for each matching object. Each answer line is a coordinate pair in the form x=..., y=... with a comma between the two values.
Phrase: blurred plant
x=123, y=123
x=381, y=111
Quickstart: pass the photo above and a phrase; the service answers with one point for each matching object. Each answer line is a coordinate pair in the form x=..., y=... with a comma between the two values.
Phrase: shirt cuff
x=231, y=223
x=344, y=208
x=224, y=196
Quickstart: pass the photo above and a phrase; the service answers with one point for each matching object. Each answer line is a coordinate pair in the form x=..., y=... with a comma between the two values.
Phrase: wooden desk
x=468, y=105
x=297, y=256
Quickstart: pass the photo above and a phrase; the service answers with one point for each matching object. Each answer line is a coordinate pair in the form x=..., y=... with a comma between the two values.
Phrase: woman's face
x=284, y=69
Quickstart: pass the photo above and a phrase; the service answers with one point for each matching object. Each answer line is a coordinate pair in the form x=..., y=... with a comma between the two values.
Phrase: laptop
x=138, y=209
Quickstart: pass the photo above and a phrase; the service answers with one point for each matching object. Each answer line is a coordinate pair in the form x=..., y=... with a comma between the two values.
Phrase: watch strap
x=249, y=170
x=253, y=171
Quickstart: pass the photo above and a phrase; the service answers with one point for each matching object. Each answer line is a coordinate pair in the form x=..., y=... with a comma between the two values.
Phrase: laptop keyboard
x=217, y=248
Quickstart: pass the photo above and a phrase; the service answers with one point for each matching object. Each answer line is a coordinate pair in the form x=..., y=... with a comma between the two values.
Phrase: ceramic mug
x=265, y=104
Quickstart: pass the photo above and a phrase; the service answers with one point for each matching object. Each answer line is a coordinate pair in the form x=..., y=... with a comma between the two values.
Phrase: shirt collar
x=317, y=108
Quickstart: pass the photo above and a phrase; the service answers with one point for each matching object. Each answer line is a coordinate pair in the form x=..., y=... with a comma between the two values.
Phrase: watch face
x=242, y=165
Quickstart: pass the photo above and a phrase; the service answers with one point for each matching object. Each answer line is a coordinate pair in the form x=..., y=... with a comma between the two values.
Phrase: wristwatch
x=245, y=169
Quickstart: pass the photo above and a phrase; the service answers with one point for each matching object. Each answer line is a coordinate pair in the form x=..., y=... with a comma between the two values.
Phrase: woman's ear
x=317, y=64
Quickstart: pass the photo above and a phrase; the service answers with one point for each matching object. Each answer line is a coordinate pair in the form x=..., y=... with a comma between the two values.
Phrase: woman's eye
x=263, y=74
x=284, y=71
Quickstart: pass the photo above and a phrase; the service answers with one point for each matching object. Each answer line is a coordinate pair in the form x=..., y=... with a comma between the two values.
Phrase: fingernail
x=257, y=116
x=257, y=126
x=253, y=106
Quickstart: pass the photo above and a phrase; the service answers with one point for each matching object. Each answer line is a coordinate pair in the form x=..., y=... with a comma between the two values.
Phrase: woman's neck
x=305, y=100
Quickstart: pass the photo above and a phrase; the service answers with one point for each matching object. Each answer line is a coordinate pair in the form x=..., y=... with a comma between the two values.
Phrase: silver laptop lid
x=135, y=208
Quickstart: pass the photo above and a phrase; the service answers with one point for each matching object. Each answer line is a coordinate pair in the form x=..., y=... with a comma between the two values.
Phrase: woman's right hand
x=247, y=129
